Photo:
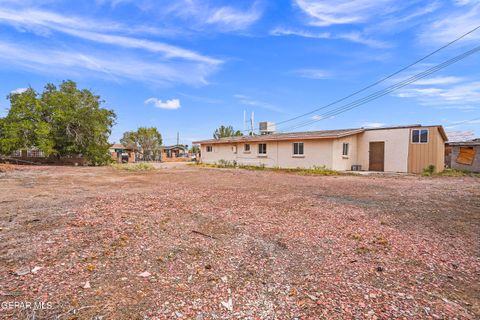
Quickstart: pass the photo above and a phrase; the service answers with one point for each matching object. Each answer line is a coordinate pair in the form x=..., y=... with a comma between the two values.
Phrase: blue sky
x=192, y=65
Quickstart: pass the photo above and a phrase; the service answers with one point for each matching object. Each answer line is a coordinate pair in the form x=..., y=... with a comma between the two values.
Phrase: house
x=464, y=155
x=392, y=149
x=120, y=153
x=175, y=151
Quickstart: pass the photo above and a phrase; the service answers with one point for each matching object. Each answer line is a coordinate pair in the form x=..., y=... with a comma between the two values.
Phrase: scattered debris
x=87, y=285
x=144, y=274
x=23, y=271
x=36, y=269
x=228, y=304
x=204, y=234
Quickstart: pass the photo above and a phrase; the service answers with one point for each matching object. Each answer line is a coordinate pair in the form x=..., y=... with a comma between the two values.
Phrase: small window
x=209, y=148
x=246, y=147
x=262, y=148
x=420, y=136
x=345, y=149
x=234, y=149
x=298, y=148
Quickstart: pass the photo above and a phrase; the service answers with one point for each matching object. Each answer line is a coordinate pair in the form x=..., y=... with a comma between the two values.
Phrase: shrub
x=428, y=171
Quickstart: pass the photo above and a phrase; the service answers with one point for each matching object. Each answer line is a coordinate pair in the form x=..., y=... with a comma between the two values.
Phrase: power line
x=383, y=79
x=465, y=121
x=387, y=90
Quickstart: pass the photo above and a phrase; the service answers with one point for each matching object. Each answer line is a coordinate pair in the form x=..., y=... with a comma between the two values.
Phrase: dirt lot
x=203, y=243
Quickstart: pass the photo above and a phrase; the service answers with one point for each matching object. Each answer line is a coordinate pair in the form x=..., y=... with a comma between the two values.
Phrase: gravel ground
x=200, y=243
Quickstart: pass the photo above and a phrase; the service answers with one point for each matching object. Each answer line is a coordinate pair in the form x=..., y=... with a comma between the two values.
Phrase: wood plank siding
x=421, y=155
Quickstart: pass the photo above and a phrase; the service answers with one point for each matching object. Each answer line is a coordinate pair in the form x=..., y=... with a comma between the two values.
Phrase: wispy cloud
x=312, y=73
x=355, y=37
x=439, y=81
x=444, y=93
x=170, y=65
x=233, y=19
x=462, y=123
x=48, y=21
x=334, y=12
x=456, y=22
x=456, y=136
x=172, y=104
x=205, y=15
x=246, y=100
x=80, y=64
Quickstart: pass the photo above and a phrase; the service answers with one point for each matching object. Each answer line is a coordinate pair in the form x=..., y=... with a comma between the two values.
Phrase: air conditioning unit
x=267, y=127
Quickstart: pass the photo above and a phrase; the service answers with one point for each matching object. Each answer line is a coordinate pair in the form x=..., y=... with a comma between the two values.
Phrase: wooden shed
x=464, y=155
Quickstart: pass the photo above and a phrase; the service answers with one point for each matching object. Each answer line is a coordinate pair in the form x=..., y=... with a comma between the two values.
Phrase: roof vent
x=267, y=127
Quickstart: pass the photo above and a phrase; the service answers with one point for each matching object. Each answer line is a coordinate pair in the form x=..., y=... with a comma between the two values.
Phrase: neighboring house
x=120, y=153
x=393, y=149
x=464, y=155
x=175, y=151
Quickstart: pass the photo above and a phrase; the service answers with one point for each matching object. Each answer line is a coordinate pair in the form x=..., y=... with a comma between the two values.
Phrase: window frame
x=420, y=132
x=209, y=148
x=345, y=149
x=245, y=150
x=298, y=154
x=262, y=153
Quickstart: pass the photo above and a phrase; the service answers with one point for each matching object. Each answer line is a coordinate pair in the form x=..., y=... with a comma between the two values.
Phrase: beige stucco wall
x=396, y=148
x=279, y=154
x=340, y=162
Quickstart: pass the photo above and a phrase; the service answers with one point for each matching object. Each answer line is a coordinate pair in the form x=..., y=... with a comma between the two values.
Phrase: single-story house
x=175, y=151
x=464, y=155
x=120, y=153
x=392, y=149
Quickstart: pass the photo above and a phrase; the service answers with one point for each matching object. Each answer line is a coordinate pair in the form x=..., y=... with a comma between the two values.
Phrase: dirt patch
x=201, y=243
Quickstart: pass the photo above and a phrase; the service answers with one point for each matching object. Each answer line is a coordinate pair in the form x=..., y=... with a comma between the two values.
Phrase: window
x=262, y=148
x=345, y=149
x=246, y=147
x=420, y=136
x=209, y=148
x=298, y=148
x=234, y=149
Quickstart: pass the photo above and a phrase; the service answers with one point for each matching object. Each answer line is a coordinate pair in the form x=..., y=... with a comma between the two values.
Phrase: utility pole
x=178, y=138
x=251, y=124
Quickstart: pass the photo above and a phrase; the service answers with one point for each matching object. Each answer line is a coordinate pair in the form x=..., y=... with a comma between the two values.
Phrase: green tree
x=195, y=149
x=226, y=131
x=148, y=140
x=130, y=140
x=61, y=121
